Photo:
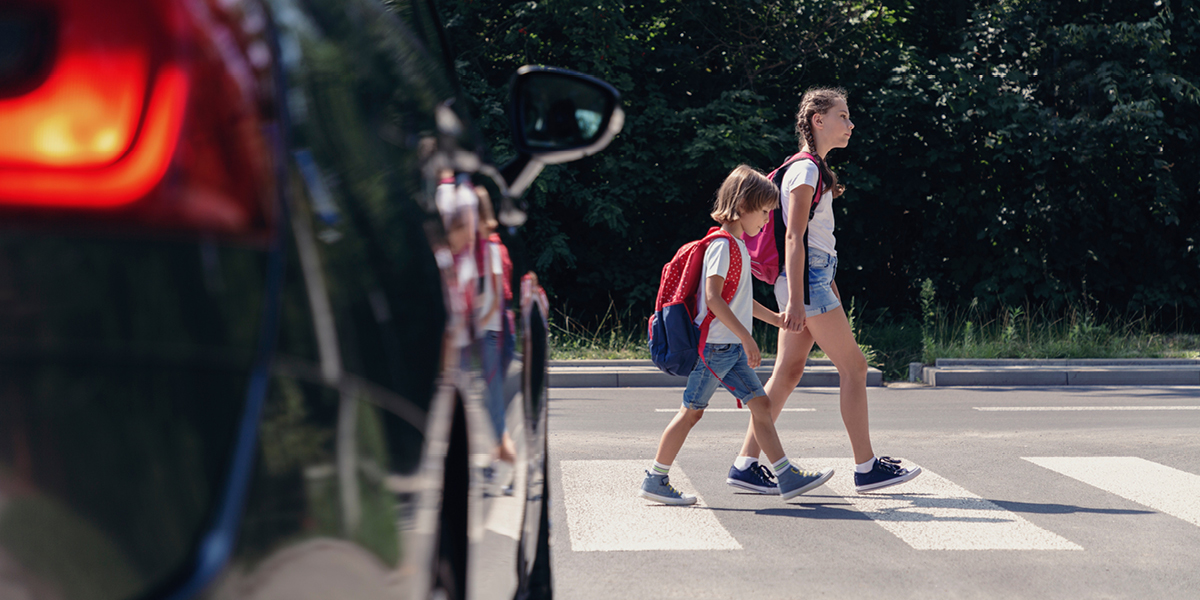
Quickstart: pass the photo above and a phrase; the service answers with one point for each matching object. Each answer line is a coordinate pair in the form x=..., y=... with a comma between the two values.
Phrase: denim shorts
x=821, y=269
x=729, y=363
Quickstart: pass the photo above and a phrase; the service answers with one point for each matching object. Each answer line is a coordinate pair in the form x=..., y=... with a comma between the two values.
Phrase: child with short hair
x=742, y=205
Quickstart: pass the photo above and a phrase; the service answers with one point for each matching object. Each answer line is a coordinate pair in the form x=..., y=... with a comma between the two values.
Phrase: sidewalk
x=944, y=373
x=1056, y=372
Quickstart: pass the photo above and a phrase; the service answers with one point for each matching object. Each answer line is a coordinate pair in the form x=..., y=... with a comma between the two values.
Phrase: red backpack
x=675, y=339
x=505, y=261
x=766, y=249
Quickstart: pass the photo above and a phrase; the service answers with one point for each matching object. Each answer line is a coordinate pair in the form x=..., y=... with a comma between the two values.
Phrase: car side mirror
x=558, y=116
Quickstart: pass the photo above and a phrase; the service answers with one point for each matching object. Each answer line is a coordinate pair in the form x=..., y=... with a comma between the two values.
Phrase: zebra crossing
x=931, y=513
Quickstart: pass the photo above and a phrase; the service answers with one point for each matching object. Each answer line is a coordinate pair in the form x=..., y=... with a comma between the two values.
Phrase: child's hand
x=753, y=355
x=793, y=317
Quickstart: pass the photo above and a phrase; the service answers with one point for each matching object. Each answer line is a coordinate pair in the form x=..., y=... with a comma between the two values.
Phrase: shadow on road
x=1063, y=509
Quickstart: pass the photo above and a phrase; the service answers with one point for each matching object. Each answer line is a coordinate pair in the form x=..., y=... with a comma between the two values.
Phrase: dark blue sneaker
x=793, y=481
x=886, y=472
x=756, y=478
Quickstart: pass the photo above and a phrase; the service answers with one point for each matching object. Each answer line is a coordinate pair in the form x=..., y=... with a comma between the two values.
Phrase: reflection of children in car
x=458, y=206
x=491, y=317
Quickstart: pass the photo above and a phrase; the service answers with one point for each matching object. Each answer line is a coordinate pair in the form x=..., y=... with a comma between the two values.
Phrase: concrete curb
x=1057, y=372
x=643, y=373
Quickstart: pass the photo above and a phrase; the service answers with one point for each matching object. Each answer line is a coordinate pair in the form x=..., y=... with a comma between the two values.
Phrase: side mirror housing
x=558, y=116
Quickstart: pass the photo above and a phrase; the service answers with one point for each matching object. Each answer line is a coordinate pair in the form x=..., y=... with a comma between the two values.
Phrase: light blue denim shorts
x=821, y=270
x=729, y=363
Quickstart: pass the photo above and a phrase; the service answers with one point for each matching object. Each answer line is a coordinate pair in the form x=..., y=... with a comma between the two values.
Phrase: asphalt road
x=1026, y=493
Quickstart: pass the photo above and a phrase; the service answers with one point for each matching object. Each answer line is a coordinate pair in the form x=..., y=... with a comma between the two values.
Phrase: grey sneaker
x=793, y=481
x=659, y=489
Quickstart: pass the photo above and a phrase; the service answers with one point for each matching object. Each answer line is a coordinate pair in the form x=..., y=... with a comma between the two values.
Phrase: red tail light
x=138, y=111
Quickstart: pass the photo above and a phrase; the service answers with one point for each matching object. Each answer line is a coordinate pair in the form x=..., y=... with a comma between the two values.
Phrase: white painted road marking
x=725, y=410
x=504, y=516
x=1168, y=490
x=932, y=513
x=604, y=512
x=1079, y=408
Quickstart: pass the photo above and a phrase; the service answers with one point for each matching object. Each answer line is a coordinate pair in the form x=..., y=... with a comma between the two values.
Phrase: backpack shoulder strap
x=820, y=191
x=732, y=278
x=782, y=170
x=734, y=275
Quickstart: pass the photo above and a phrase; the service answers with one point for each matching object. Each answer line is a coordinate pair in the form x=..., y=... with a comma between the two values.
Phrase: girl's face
x=753, y=221
x=835, y=125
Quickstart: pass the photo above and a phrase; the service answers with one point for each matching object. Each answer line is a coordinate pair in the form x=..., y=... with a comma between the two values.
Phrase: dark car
x=238, y=357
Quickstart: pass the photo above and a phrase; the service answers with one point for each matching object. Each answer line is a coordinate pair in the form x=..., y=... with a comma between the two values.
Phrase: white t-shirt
x=493, y=265
x=820, y=229
x=716, y=262
x=467, y=275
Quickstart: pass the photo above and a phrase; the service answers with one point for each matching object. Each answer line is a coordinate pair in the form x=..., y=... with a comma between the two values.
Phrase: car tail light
x=137, y=111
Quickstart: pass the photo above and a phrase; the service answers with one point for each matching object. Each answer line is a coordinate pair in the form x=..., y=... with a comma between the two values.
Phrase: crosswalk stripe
x=605, y=514
x=725, y=410
x=1160, y=487
x=504, y=516
x=933, y=513
x=1078, y=408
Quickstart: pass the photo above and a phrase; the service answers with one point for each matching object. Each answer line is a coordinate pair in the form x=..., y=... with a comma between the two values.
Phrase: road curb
x=643, y=373
x=1057, y=372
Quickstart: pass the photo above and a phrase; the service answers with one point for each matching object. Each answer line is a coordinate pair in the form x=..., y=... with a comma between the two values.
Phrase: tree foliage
x=1011, y=151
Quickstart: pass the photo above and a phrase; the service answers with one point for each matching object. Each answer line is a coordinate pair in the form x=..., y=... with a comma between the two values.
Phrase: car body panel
x=260, y=379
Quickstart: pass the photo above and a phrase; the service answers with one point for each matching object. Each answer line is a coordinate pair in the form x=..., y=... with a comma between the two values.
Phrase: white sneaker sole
x=912, y=474
x=825, y=475
x=774, y=491
x=684, y=501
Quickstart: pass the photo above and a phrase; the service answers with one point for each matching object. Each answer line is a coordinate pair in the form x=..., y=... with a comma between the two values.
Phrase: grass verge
x=891, y=343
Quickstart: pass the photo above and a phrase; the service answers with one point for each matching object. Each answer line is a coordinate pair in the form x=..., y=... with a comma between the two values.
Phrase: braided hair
x=818, y=101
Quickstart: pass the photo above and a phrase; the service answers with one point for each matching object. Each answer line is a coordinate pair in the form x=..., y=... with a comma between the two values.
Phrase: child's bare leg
x=792, y=481
x=832, y=331
x=762, y=425
x=792, y=354
x=676, y=433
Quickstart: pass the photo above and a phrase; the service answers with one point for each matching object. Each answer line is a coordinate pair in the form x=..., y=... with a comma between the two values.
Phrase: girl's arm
x=496, y=291
x=766, y=315
x=720, y=309
x=795, y=263
x=496, y=283
x=836, y=294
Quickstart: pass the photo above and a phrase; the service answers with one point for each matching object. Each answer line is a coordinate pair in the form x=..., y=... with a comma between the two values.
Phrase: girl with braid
x=822, y=124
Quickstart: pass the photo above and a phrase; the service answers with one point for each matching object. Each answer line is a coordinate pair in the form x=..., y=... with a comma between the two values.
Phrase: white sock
x=781, y=466
x=865, y=467
x=742, y=463
x=659, y=468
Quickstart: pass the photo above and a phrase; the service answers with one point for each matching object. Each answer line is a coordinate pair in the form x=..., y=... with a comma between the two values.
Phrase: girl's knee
x=854, y=368
x=692, y=416
x=758, y=405
x=787, y=374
